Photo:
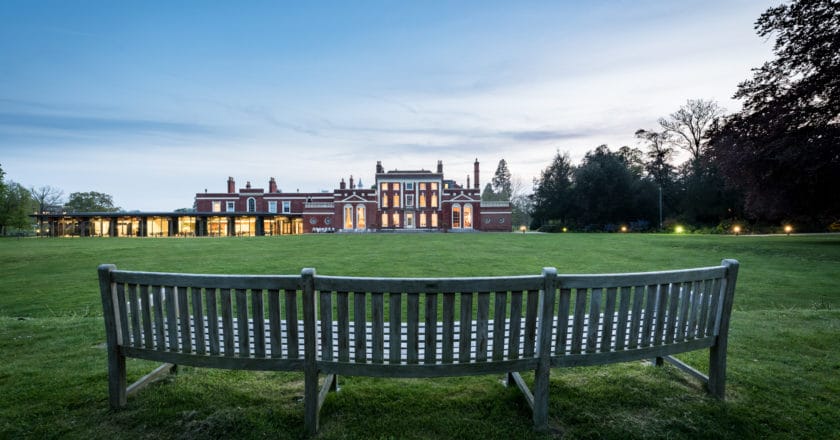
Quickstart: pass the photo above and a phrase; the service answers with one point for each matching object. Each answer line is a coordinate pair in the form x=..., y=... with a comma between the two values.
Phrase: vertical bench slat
x=359, y=326
x=274, y=323
x=499, y=317
x=650, y=313
x=292, y=333
x=531, y=312
x=242, y=322
x=674, y=296
x=325, y=310
x=259, y=322
x=378, y=321
x=686, y=298
x=395, y=328
x=448, y=327
x=609, y=317
x=621, y=326
x=482, y=319
x=184, y=319
x=579, y=321
x=212, y=321
x=146, y=304
x=342, y=299
x=430, y=349
x=661, y=313
x=704, y=309
x=636, y=321
x=413, y=318
x=135, y=316
x=594, y=323
x=198, y=321
x=465, y=345
x=562, y=338
x=160, y=325
x=172, y=317
x=122, y=310
x=515, y=326
x=227, y=323
x=714, y=305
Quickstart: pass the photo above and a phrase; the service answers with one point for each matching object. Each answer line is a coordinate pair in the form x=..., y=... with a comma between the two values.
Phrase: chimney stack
x=440, y=167
x=351, y=182
x=272, y=185
x=342, y=185
x=468, y=182
x=231, y=185
x=248, y=184
x=475, y=172
x=379, y=168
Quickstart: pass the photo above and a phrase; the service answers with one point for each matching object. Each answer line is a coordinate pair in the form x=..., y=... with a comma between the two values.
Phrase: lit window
x=409, y=219
x=422, y=219
x=272, y=207
x=384, y=219
x=384, y=200
x=395, y=186
x=287, y=207
x=396, y=218
x=456, y=216
x=434, y=186
x=384, y=186
x=422, y=186
x=422, y=200
x=217, y=206
x=409, y=200
x=434, y=200
x=434, y=220
x=360, y=217
x=468, y=216
x=396, y=200
x=252, y=204
x=348, y=217
x=231, y=206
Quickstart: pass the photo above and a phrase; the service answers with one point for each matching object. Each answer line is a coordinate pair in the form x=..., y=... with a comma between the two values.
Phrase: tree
x=782, y=150
x=688, y=127
x=552, y=197
x=15, y=205
x=501, y=181
x=45, y=198
x=487, y=194
x=90, y=202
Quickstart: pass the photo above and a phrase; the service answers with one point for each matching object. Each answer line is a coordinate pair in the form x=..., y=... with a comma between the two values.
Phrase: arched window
x=384, y=220
x=396, y=203
x=434, y=200
x=467, y=216
x=360, y=217
x=252, y=205
x=456, y=216
x=348, y=217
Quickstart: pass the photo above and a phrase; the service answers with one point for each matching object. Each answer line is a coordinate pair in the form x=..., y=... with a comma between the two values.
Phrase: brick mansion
x=399, y=200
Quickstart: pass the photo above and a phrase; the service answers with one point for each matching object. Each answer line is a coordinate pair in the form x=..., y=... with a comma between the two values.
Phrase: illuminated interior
x=360, y=217
x=217, y=226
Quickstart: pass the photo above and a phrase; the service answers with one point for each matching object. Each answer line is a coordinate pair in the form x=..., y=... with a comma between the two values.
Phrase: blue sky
x=153, y=102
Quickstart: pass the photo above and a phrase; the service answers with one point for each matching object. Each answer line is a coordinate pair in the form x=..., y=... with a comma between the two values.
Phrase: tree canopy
x=783, y=149
x=91, y=201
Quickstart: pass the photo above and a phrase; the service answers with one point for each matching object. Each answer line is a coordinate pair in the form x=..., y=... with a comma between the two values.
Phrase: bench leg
x=541, y=383
x=116, y=378
x=310, y=401
x=717, y=371
x=658, y=361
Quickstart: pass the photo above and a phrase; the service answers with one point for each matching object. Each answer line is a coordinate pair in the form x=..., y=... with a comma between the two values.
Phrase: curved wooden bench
x=414, y=327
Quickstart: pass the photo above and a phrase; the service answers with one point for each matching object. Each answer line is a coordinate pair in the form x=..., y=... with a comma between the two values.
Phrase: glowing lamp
x=565, y=229
x=522, y=229
x=736, y=229
x=679, y=229
x=623, y=228
x=788, y=229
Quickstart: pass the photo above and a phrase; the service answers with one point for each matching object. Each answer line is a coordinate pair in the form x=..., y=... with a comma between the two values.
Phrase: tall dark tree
x=552, y=198
x=783, y=148
x=501, y=181
x=90, y=202
x=688, y=127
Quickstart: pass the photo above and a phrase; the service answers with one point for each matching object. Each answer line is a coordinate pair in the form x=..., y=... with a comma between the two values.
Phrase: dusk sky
x=152, y=102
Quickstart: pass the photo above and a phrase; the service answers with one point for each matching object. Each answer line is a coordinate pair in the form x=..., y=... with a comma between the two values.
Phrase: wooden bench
x=414, y=327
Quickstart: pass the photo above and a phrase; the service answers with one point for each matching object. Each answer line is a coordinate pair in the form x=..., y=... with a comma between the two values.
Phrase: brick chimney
x=272, y=185
x=342, y=185
x=475, y=172
x=351, y=182
x=379, y=168
x=440, y=167
x=231, y=185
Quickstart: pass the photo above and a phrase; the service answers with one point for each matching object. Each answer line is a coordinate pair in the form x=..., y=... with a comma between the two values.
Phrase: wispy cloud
x=99, y=124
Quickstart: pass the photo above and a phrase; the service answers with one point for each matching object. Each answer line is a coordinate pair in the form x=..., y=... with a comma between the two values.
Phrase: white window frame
x=230, y=206
x=287, y=207
x=272, y=206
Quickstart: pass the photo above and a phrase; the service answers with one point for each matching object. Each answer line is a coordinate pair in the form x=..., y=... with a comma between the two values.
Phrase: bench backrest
x=417, y=326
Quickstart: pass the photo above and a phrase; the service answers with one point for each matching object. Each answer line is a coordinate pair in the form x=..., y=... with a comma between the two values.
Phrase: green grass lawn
x=784, y=353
